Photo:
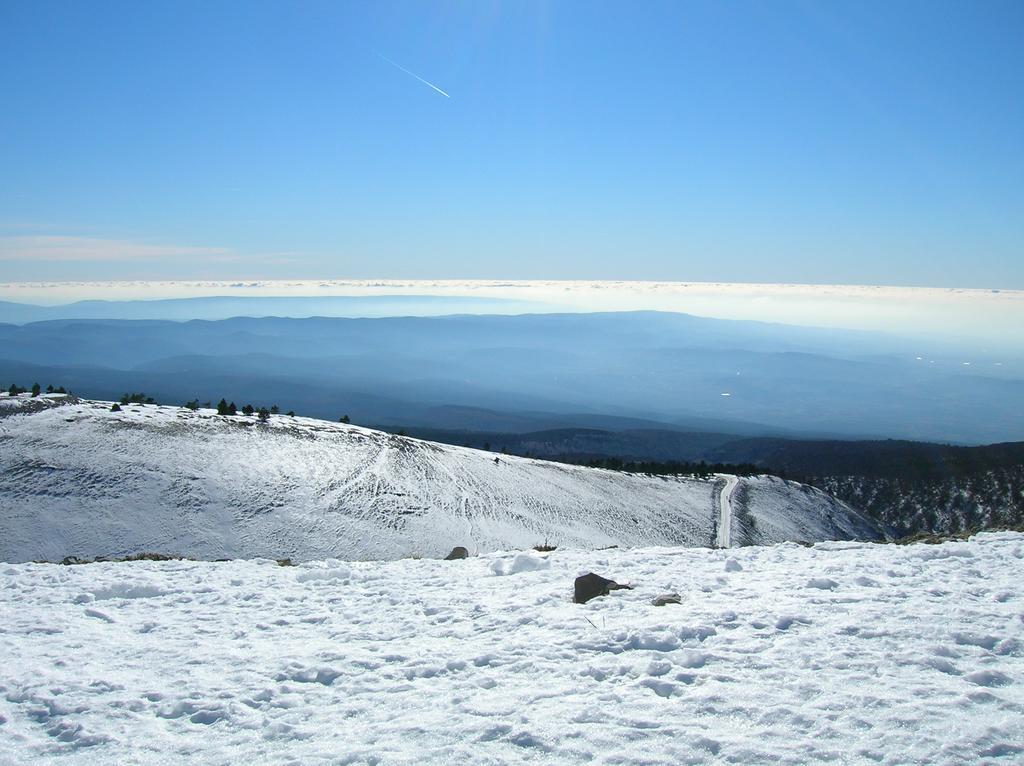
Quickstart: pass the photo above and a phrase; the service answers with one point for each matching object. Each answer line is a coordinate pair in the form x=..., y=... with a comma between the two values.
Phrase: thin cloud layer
x=982, y=317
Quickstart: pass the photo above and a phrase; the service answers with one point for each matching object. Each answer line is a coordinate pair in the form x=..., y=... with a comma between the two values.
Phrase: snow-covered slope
x=80, y=480
x=844, y=653
x=770, y=509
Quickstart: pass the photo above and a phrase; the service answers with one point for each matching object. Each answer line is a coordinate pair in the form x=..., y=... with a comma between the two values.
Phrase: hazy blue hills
x=581, y=444
x=667, y=371
x=225, y=307
x=877, y=459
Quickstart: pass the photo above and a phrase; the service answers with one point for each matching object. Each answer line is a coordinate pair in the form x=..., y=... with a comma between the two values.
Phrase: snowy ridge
x=849, y=653
x=80, y=480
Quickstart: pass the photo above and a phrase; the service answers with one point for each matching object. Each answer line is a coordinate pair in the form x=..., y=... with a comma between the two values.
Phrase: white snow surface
x=841, y=652
x=79, y=480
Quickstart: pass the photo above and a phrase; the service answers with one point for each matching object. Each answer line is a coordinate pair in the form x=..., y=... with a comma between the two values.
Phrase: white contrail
x=413, y=74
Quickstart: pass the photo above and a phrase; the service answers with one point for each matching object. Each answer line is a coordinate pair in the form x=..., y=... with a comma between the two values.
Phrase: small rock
x=666, y=598
x=458, y=552
x=592, y=585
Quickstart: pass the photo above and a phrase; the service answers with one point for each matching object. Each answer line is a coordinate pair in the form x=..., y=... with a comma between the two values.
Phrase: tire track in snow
x=724, y=537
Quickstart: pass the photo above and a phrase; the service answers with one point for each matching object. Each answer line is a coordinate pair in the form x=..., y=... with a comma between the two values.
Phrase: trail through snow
x=724, y=539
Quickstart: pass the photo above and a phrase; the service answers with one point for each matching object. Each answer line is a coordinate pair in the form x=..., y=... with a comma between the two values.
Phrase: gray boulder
x=592, y=585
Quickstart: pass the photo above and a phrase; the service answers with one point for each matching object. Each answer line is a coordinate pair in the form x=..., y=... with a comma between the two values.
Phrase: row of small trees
x=226, y=408
x=701, y=470
x=138, y=397
x=36, y=389
x=223, y=406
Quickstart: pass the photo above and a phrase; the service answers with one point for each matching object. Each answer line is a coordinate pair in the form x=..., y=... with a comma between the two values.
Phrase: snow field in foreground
x=843, y=652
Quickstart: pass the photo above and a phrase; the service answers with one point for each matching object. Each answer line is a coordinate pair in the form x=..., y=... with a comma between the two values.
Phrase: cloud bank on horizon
x=972, y=315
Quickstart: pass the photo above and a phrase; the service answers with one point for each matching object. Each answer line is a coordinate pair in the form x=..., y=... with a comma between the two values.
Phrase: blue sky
x=818, y=142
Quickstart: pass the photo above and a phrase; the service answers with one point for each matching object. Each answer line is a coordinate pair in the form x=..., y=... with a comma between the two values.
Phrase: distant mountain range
x=611, y=371
x=582, y=444
x=226, y=307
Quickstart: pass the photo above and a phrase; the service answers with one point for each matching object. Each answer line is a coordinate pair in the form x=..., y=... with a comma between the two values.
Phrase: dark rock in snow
x=592, y=585
x=666, y=598
x=458, y=552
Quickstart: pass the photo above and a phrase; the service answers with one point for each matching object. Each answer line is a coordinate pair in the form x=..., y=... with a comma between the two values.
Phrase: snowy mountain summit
x=77, y=479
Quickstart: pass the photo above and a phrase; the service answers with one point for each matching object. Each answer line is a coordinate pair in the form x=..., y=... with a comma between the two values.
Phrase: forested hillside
x=985, y=499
